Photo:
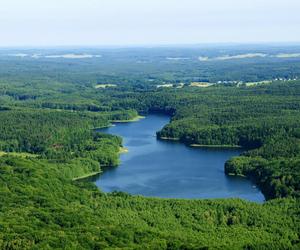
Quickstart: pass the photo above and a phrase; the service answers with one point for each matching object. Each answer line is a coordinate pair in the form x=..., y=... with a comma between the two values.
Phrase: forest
x=50, y=110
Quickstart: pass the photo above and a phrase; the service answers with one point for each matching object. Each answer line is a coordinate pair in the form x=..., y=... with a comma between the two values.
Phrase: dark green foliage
x=50, y=107
x=41, y=208
x=277, y=178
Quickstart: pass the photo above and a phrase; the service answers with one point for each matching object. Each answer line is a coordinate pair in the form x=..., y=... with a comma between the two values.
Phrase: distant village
x=225, y=82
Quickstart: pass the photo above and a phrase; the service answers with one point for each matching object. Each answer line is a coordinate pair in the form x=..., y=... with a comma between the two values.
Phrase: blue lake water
x=170, y=169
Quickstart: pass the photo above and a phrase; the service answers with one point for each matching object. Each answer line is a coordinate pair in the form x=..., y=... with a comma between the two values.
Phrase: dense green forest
x=49, y=109
x=41, y=208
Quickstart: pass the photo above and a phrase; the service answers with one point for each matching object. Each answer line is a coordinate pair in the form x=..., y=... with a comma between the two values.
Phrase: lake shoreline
x=135, y=119
x=168, y=138
x=111, y=124
x=123, y=150
x=213, y=146
x=194, y=145
x=87, y=175
x=172, y=170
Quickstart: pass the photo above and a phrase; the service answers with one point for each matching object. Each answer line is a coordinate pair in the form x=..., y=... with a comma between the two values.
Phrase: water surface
x=171, y=170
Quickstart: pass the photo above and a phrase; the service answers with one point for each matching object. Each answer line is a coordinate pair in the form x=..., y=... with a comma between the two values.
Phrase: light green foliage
x=42, y=208
x=50, y=108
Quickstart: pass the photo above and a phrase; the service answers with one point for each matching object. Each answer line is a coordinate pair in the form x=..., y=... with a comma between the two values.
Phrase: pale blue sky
x=138, y=22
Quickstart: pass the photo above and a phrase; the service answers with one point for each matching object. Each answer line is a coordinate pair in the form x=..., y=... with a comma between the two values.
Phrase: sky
x=147, y=22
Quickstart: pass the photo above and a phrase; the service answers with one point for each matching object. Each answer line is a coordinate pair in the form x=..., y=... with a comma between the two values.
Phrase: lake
x=170, y=169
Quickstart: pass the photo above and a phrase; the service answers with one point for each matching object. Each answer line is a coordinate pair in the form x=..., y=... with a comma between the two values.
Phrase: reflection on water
x=169, y=169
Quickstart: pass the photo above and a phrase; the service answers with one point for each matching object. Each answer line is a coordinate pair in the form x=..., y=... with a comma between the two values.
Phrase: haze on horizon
x=147, y=22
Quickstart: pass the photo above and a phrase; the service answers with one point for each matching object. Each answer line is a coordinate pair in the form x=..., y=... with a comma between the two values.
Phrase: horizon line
x=154, y=45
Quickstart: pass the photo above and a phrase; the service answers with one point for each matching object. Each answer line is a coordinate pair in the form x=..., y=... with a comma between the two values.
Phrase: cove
x=170, y=169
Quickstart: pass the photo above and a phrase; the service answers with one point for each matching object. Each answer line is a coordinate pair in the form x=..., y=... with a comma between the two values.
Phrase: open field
x=103, y=86
x=201, y=84
x=22, y=154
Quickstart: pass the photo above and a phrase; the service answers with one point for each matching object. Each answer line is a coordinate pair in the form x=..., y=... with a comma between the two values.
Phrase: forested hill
x=50, y=107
